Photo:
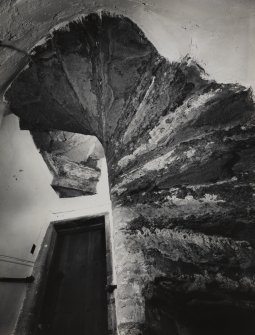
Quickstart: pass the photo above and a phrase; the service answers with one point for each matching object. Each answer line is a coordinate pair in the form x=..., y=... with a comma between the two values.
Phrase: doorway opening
x=45, y=196
x=73, y=291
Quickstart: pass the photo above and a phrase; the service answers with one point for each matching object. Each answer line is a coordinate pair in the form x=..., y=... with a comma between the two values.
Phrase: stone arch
x=178, y=146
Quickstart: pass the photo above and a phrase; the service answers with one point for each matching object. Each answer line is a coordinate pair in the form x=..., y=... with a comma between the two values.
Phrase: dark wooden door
x=75, y=301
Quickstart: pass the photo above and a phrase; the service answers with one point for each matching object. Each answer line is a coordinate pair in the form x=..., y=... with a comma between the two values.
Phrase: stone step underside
x=180, y=152
x=73, y=161
x=67, y=175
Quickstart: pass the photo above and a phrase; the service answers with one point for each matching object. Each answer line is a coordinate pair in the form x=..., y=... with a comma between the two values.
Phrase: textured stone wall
x=180, y=152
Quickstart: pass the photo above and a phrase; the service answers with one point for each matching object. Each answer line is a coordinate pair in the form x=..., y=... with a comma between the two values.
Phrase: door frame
x=35, y=291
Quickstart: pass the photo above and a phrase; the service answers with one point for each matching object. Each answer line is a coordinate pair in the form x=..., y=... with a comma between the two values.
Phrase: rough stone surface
x=180, y=152
x=73, y=161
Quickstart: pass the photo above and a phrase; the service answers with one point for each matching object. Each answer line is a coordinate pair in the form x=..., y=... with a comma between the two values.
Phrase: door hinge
x=110, y=288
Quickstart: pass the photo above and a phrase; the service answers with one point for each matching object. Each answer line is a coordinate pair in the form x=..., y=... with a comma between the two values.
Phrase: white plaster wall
x=27, y=205
x=26, y=195
x=219, y=34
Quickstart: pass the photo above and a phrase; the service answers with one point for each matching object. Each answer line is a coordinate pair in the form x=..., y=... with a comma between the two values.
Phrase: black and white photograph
x=127, y=167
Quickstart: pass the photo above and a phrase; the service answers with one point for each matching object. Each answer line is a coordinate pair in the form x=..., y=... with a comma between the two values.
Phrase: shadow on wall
x=172, y=311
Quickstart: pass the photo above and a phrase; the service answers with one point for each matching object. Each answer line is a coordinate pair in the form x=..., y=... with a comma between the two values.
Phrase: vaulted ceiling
x=180, y=151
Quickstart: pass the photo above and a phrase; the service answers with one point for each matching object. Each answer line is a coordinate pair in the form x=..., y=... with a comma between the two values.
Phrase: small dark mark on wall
x=29, y=279
x=33, y=249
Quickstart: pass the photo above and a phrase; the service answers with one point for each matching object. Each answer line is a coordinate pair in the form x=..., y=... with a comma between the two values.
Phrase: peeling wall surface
x=180, y=155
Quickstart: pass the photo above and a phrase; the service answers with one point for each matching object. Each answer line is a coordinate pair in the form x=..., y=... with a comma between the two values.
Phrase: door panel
x=75, y=299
